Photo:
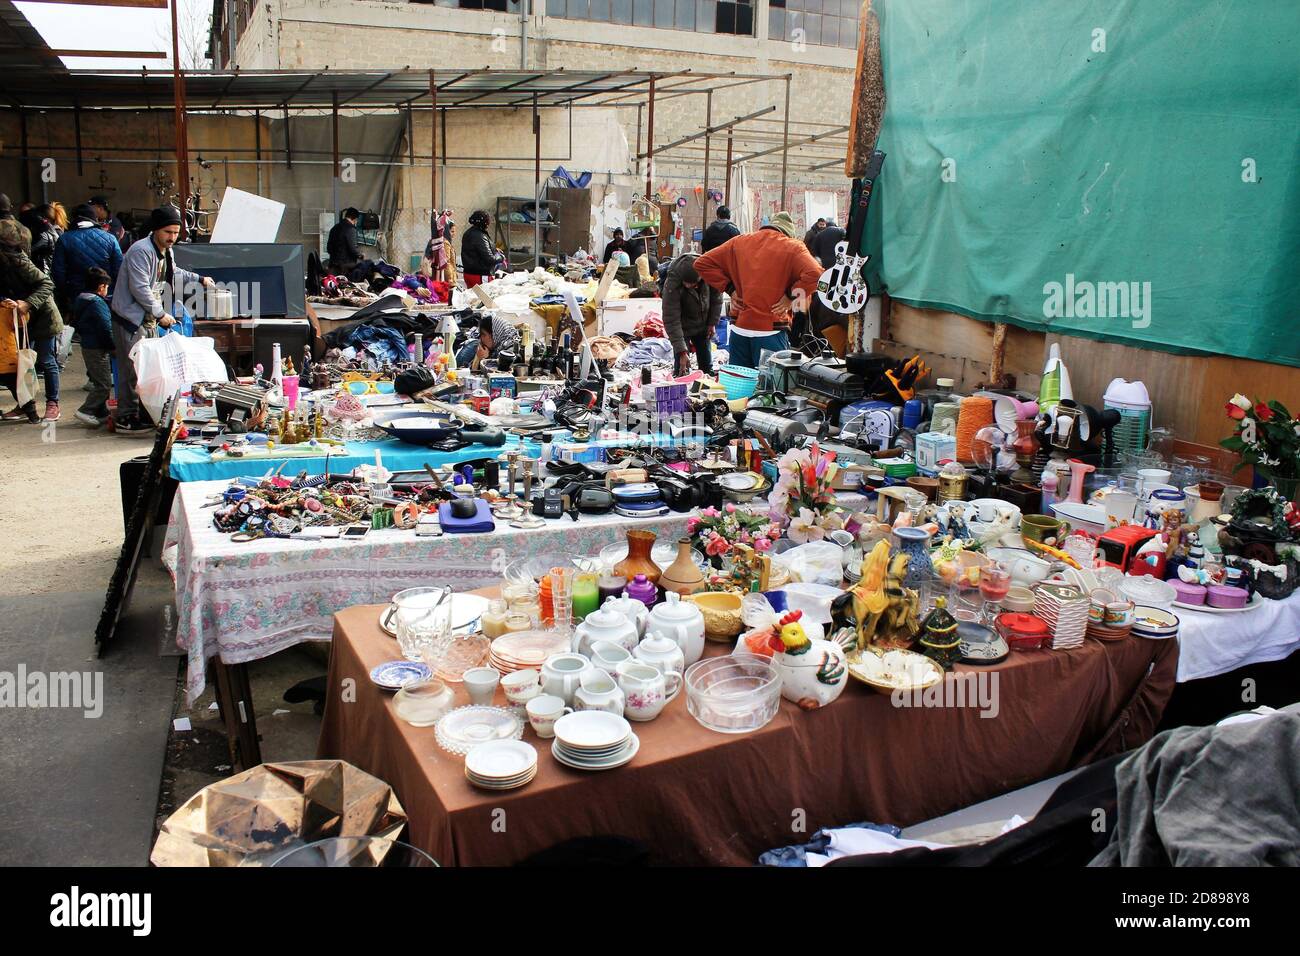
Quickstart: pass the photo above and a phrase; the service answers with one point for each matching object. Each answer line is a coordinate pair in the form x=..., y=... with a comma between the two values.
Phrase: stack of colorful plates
x=594, y=740
x=1103, y=632
x=524, y=649
x=501, y=765
x=1066, y=612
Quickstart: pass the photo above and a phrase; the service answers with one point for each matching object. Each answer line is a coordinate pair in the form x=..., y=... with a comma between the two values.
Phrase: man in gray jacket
x=149, y=289
x=691, y=310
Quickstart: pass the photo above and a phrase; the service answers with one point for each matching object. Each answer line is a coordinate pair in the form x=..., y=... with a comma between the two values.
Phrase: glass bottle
x=494, y=618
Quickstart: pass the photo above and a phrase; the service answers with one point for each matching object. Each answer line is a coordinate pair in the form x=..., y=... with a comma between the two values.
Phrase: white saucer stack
x=501, y=765
x=594, y=740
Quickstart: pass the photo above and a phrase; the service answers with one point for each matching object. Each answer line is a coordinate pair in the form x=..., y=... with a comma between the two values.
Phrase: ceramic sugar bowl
x=605, y=623
x=682, y=622
x=661, y=653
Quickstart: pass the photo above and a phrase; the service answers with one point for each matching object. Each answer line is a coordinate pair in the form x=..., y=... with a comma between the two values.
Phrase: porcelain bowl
x=721, y=610
x=1027, y=569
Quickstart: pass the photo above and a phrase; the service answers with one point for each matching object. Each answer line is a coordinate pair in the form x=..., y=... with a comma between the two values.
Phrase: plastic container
x=734, y=694
x=1022, y=632
x=738, y=381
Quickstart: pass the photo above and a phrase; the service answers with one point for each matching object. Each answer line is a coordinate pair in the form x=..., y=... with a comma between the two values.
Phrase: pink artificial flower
x=710, y=512
x=762, y=544
x=692, y=524
x=774, y=532
x=731, y=509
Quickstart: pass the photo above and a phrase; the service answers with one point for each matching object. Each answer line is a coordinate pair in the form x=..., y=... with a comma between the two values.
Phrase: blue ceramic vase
x=915, y=543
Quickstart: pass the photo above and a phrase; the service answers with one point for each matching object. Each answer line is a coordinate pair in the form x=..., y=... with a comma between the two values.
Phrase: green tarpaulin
x=1125, y=170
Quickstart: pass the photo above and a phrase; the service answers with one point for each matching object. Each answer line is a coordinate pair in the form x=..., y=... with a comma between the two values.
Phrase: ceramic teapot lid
x=674, y=608
x=607, y=615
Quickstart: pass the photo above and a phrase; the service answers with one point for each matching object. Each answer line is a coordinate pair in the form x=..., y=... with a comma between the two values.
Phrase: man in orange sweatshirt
x=768, y=274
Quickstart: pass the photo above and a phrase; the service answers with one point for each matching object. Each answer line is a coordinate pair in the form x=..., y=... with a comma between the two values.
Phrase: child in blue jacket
x=91, y=318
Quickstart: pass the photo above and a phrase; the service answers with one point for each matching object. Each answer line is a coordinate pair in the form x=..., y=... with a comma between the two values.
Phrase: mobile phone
x=356, y=531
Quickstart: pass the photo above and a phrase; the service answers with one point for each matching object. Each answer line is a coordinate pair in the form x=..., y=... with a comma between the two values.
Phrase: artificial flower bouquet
x=717, y=533
x=1267, y=437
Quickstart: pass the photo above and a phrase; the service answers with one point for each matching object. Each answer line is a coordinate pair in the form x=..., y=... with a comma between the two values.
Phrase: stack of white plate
x=1066, y=612
x=501, y=765
x=594, y=740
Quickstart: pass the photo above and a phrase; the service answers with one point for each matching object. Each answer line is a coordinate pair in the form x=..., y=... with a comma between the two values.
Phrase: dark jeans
x=99, y=373
x=747, y=350
x=703, y=345
x=47, y=365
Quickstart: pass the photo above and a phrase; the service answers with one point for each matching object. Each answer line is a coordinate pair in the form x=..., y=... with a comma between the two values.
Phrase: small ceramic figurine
x=940, y=642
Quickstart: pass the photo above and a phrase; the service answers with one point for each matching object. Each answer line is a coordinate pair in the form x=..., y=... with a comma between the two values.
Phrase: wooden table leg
x=235, y=701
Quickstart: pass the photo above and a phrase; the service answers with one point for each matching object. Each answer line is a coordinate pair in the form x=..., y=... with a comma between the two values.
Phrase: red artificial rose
x=1235, y=412
x=1263, y=412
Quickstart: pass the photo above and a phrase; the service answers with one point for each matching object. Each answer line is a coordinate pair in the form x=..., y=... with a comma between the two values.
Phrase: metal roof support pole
x=726, y=191
x=178, y=109
x=785, y=139
x=537, y=189
x=650, y=142
x=442, y=141
x=637, y=169
x=288, y=146
x=334, y=133
x=257, y=147
x=704, y=197
x=433, y=142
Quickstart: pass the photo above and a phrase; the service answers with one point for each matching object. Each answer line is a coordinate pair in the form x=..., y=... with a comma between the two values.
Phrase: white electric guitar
x=842, y=288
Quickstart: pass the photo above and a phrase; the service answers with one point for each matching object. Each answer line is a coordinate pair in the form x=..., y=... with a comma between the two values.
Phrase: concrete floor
x=90, y=791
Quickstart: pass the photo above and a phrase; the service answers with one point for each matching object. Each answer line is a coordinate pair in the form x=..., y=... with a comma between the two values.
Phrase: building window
x=496, y=6
x=735, y=17
x=815, y=22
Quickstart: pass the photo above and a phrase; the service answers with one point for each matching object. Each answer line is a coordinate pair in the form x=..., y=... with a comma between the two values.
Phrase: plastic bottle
x=1049, y=489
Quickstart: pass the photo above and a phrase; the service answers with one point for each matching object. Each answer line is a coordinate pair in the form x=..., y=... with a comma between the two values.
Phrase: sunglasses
x=369, y=388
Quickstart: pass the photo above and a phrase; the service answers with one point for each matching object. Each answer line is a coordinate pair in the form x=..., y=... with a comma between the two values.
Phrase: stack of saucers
x=518, y=650
x=594, y=740
x=1065, y=610
x=501, y=765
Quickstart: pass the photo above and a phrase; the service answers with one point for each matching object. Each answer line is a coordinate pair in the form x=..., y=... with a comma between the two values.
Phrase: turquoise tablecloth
x=195, y=464
x=190, y=463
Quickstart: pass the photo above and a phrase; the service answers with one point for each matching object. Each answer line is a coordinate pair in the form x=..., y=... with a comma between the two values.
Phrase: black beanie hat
x=164, y=216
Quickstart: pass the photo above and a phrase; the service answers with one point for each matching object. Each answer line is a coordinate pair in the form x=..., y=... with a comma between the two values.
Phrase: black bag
x=414, y=379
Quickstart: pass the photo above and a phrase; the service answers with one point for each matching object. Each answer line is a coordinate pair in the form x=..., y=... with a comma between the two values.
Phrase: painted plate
x=394, y=675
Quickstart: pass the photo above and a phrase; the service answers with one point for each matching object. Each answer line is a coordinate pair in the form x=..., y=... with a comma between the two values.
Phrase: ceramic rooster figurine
x=789, y=636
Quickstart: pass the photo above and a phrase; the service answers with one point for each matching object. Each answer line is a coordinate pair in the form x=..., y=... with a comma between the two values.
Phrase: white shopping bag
x=26, y=387
x=173, y=363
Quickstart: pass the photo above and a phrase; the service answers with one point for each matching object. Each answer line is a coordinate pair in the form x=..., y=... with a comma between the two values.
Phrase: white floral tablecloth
x=249, y=601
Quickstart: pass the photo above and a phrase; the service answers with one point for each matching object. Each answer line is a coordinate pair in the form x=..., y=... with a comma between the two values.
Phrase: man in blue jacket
x=150, y=289
x=84, y=246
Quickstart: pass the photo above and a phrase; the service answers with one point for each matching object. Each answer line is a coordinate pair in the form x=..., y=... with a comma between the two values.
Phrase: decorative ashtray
x=467, y=727
x=894, y=670
x=980, y=644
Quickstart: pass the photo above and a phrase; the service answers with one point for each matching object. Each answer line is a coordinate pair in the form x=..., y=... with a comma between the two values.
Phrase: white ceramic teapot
x=662, y=653
x=681, y=621
x=605, y=624
x=632, y=609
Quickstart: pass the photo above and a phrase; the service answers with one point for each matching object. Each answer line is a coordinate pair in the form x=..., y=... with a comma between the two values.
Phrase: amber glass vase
x=638, y=560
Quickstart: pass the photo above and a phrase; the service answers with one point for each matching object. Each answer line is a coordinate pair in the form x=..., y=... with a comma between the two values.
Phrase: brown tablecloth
x=693, y=796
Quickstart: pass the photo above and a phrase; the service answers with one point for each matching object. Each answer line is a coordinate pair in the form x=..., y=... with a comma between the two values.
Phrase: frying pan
x=428, y=428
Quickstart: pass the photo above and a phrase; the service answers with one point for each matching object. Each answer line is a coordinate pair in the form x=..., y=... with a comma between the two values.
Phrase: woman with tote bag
x=30, y=331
